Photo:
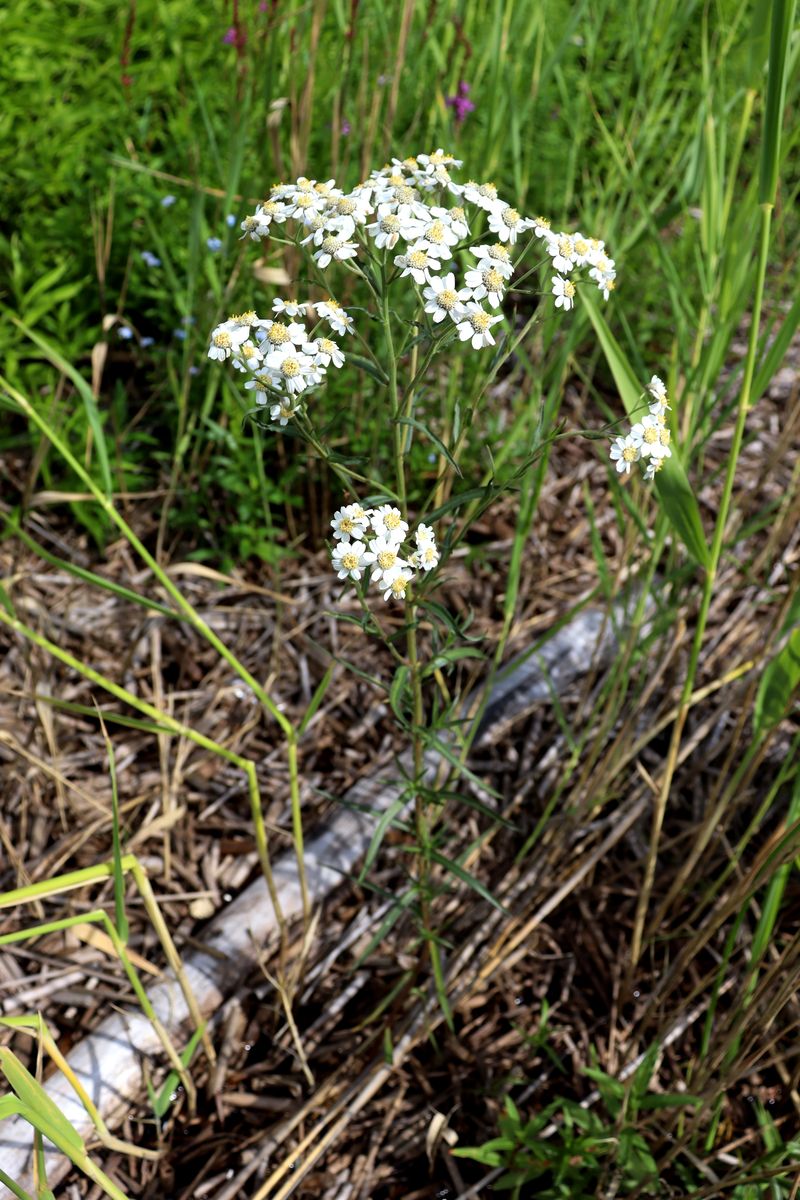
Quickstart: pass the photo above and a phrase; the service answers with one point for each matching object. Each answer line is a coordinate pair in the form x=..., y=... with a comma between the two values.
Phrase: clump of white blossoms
x=283, y=357
x=376, y=540
x=410, y=220
x=648, y=440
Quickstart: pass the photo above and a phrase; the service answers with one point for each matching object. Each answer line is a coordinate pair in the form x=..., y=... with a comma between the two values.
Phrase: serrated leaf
x=672, y=484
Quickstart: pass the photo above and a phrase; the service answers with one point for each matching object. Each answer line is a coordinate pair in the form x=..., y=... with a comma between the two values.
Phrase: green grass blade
x=780, y=36
x=13, y=1187
x=35, y=1098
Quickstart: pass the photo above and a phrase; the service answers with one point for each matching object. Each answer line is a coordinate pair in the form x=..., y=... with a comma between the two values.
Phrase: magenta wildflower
x=229, y=37
x=346, y=127
x=460, y=103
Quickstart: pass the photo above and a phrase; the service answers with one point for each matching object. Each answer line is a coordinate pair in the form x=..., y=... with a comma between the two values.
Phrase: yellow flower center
x=346, y=525
x=345, y=206
x=488, y=190
x=334, y=304
x=663, y=437
x=499, y=251
x=390, y=224
x=399, y=586
x=222, y=339
x=510, y=217
x=396, y=180
x=349, y=561
x=581, y=247
x=290, y=367
x=392, y=520
x=326, y=345
x=304, y=200
x=447, y=299
x=569, y=289
x=565, y=247
x=277, y=335
x=418, y=259
x=629, y=454
x=304, y=185
x=387, y=559
x=457, y=214
x=331, y=244
x=493, y=280
x=650, y=435
x=435, y=233
x=543, y=222
x=404, y=194
x=479, y=321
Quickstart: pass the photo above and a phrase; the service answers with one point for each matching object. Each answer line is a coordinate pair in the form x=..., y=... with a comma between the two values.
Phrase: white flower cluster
x=408, y=206
x=282, y=357
x=373, y=538
x=648, y=440
x=571, y=250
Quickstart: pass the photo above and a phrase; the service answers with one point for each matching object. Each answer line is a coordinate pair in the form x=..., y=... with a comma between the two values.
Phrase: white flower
x=349, y=522
x=248, y=357
x=417, y=263
x=259, y=383
x=347, y=559
x=387, y=521
x=496, y=256
x=283, y=412
x=651, y=437
x=581, y=249
x=386, y=230
x=654, y=465
x=335, y=315
x=324, y=352
x=438, y=239
x=624, y=452
x=507, y=223
x=424, y=536
x=657, y=389
x=477, y=326
x=426, y=557
x=383, y=555
x=562, y=252
x=291, y=369
x=334, y=247
x=564, y=292
x=356, y=205
x=541, y=227
x=275, y=334
x=291, y=307
x=486, y=281
x=482, y=194
x=455, y=217
x=397, y=588
x=257, y=226
x=442, y=298
x=227, y=338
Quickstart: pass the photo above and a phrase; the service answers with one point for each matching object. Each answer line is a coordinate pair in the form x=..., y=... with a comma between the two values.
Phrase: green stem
x=708, y=587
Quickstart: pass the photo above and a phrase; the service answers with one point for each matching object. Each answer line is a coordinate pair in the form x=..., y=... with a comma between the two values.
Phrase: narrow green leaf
x=456, y=869
x=317, y=698
x=431, y=436
x=672, y=484
x=13, y=1187
x=779, y=48
x=85, y=392
x=36, y=1099
x=162, y=1101
x=778, y=684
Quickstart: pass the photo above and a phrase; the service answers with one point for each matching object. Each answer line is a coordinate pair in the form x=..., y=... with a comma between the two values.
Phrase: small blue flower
x=180, y=334
x=125, y=332
x=167, y=201
x=230, y=220
x=190, y=320
x=214, y=244
x=194, y=370
x=147, y=341
x=150, y=259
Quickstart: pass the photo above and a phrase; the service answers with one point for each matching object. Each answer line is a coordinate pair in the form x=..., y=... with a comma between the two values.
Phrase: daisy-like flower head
x=347, y=559
x=442, y=298
x=292, y=370
x=488, y=282
x=507, y=223
x=387, y=521
x=496, y=256
x=424, y=536
x=386, y=230
x=417, y=263
x=541, y=227
x=248, y=357
x=438, y=239
x=292, y=308
x=564, y=292
x=477, y=326
x=257, y=225
x=398, y=586
x=581, y=249
x=654, y=465
x=457, y=220
x=332, y=312
x=658, y=390
x=334, y=247
x=259, y=384
x=383, y=556
x=647, y=435
x=624, y=452
x=324, y=351
x=426, y=557
x=562, y=252
x=283, y=412
x=350, y=523
x=228, y=337
x=482, y=194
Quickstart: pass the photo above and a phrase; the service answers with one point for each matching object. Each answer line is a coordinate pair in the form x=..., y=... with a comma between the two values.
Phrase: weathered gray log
x=108, y=1061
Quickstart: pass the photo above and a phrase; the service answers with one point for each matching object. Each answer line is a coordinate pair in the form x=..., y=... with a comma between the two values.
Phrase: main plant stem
x=708, y=589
